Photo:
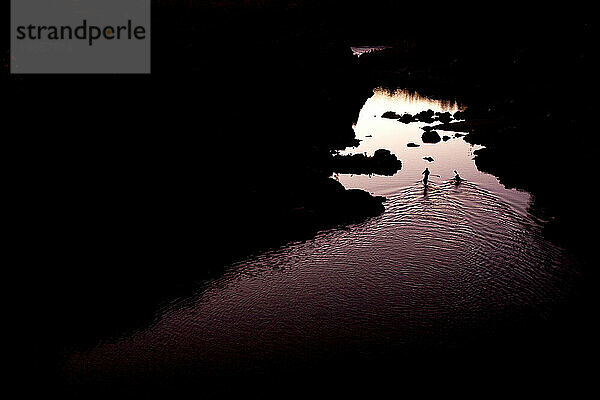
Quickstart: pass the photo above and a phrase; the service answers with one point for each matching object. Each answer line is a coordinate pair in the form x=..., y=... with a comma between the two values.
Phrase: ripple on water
x=435, y=263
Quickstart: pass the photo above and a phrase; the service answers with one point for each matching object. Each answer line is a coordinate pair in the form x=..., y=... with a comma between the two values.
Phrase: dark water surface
x=442, y=265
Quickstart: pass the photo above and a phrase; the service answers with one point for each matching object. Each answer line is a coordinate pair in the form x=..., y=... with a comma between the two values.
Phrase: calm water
x=438, y=263
x=455, y=154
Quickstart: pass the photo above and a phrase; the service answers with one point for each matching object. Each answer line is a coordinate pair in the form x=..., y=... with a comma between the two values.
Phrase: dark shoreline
x=121, y=203
x=122, y=188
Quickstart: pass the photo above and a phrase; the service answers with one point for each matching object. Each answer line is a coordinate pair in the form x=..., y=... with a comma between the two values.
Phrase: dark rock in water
x=457, y=135
x=411, y=144
x=459, y=115
x=383, y=153
x=363, y=203
x=427, y=128
x=430, y=137
x=390, y=115
x=383, y=162
x=444, y=117
x=368, y=135
x=425, y=116
x=406, y=119
x=324, y=204
x=430, y=159
x=445, y=138
x=332, y=200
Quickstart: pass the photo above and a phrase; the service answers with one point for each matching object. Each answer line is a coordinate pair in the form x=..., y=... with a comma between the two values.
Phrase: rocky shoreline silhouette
x=382, y=162
x=228, y=148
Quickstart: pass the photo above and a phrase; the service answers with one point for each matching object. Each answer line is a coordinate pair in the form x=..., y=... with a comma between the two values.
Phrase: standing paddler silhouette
x=426, y=176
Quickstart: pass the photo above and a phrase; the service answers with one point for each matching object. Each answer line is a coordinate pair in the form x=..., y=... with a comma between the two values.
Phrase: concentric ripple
x=437, y=262
x=442, y=264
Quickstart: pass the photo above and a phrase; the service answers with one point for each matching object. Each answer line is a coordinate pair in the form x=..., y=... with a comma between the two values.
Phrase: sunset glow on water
x=436, y=263
x=454, y=154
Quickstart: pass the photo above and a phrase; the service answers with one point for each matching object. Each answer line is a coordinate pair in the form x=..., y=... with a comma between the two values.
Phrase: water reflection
x=441, y=260
x=454, y=154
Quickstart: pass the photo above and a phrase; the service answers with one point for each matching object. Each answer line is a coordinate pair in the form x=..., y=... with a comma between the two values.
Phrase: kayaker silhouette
x=457, y=177
x=426, y=176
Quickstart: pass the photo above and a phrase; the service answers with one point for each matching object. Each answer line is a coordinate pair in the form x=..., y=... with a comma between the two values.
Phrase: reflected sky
x=438, y=266
x=454, y=154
